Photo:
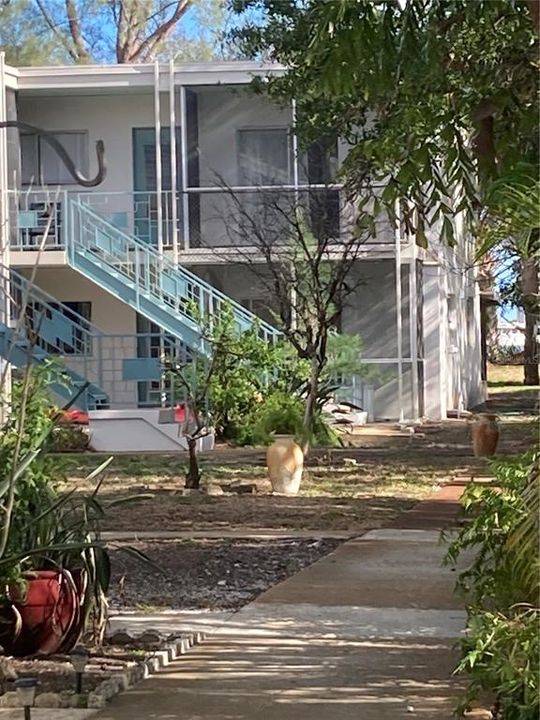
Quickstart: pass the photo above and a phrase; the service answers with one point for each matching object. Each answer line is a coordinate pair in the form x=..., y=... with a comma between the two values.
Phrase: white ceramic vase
x=285, y=463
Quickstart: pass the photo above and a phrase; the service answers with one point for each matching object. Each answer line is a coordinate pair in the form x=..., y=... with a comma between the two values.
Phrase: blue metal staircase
x=136, y=273
x=46, y=331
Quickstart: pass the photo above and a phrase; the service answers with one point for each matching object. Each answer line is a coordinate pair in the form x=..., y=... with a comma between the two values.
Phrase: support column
x=184, y=158
x=174, y=184
x=432, y=336
x=480, y=387
x=442, y=284
x=157, y=128
x=413, y=330
x=5, y=370
x=296, y=174
x=399, y=318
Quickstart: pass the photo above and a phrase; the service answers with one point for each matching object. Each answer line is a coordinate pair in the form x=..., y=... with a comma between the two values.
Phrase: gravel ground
x=209, y=574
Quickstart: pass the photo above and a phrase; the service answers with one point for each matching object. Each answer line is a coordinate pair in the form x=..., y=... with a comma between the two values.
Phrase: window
x=264, y=156
x=153, y=342
x=40, y=165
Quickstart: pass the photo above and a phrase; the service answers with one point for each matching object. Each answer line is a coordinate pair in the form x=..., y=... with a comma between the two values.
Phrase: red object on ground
x=48, y=609
x=180, y=413
x=75, y=417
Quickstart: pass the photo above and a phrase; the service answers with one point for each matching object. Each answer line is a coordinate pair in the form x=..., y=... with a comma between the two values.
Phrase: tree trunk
x=309, y=408
x=529, y=286
x=193, y=475
x=530, y=354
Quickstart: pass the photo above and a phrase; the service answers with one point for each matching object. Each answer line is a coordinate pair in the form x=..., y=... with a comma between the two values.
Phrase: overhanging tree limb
x=56, y=31
x=75, y=30
x=145, y=48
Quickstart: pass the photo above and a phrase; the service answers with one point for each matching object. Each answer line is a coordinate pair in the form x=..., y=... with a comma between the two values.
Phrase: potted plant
x=54, y=569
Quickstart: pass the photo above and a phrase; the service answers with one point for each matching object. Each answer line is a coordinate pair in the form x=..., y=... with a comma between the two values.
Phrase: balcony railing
x=212, y=217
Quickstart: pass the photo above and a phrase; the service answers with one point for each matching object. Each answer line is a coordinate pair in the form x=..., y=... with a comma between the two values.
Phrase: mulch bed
x=209, y=574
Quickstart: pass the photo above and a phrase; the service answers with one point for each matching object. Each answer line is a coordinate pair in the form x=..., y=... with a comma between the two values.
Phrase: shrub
x=69, y=438
x=502, y=584
x=281, y=413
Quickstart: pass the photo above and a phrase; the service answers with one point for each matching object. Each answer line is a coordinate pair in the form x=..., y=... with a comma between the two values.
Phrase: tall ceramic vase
x=485, y=435
x=285, y=462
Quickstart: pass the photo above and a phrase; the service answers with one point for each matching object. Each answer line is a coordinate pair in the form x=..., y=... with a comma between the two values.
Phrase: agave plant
x=43, y=529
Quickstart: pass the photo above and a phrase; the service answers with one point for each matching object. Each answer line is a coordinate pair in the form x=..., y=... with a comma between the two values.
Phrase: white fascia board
x=11, y=76
x=140, y=76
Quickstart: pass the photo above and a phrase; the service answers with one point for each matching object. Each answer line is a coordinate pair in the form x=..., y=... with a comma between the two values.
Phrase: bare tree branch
x=59, y=34
x=146, y=48
x=75, y=30
x=308, y=263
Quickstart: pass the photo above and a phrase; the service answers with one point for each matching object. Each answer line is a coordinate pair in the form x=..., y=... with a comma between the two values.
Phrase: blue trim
x=56, y=328
x=27, y=219
x=119, y=220
x=103, y=241
x=141, y=369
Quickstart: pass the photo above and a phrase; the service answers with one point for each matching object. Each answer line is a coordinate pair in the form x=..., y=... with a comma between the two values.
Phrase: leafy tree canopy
x=436, y=97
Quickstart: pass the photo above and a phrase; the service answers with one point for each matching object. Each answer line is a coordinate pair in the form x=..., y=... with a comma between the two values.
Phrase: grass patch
x=509, y=378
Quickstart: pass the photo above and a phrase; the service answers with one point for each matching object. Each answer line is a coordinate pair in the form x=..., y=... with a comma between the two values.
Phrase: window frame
x=82, y=166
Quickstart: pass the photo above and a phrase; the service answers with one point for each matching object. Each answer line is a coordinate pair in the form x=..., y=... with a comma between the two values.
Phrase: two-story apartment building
x=116, y=265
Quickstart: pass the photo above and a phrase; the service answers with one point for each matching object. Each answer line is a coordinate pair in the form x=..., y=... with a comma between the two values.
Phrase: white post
x=399, y=321
x=413, y=329
x=184, y=158
x=480, y=385
x=296, y=174
x=296, y=199
x=4, y=214
x=443, y=306
x=461, y=303
x=174, y=199
x=5, y=375
x=157, y=127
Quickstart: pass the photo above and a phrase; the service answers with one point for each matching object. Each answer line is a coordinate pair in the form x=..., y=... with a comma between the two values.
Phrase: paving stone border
x=171, y=647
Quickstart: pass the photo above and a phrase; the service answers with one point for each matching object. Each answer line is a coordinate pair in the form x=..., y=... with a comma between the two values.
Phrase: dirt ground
x=352, y=489
x=383, y=472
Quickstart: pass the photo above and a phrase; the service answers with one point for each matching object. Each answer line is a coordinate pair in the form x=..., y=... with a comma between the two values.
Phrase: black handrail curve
x=63, y=154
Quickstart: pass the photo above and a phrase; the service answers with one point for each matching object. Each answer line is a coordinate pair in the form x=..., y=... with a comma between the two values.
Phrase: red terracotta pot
x=72, y=637
x=48, y=606
x=485, y=435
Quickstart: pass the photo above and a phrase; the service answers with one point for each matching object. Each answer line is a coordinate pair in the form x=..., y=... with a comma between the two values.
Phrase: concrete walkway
x=365, y=633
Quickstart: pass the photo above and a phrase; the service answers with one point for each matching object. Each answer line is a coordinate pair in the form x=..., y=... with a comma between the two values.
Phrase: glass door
x=145, y=185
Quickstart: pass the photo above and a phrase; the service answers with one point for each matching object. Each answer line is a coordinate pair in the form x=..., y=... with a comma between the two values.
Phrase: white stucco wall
x=110, y=118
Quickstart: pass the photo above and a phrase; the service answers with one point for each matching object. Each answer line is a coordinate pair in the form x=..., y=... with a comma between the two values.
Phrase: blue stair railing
x=168, y=295
x=43, y=329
